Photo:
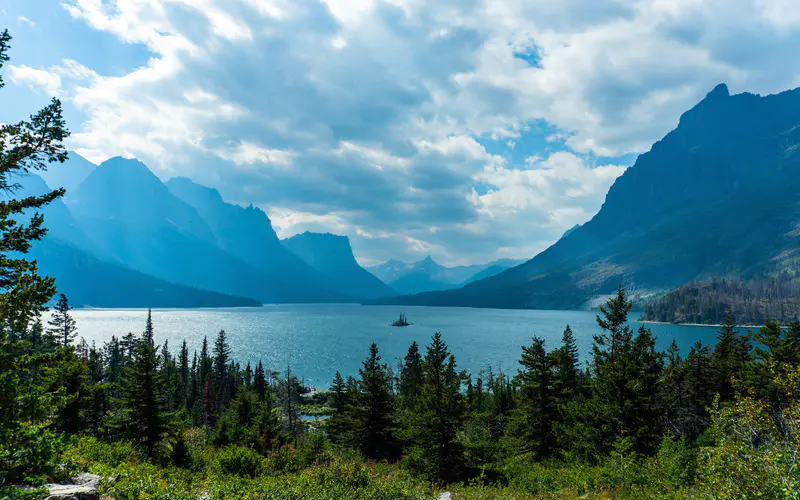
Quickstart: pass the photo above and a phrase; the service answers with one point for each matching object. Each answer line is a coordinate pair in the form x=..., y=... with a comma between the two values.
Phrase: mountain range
x=428, y=275
x=717, y=196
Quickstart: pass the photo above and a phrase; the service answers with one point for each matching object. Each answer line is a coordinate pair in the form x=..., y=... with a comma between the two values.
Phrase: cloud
x=25, y=20
x=383, y=119
x=37, y=79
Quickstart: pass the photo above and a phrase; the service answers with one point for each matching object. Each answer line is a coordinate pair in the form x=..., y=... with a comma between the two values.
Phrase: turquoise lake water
x=319, y=339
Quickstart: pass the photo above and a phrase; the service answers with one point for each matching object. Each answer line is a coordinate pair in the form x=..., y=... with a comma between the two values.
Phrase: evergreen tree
x=144, y=393
x=410, y=377
x=728, y=359
x=267, y=426
x=209, y=406
x=439, y=414
x=339, y=423
x=567, y=377
x=28, y=443
x=371, y=411
x=222, y=354
x=259, y=380
x=291, y=402
x=184, y=377
x=533, y=420
x=625, y=373
x=62, y=324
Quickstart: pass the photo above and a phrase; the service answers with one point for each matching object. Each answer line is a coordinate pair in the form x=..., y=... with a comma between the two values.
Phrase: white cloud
x=376, y=110
x=23, y=19
x=37, y=79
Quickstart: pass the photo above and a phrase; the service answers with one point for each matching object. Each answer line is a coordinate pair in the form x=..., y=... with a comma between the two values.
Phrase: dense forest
x=158, y=422
x=751, y=302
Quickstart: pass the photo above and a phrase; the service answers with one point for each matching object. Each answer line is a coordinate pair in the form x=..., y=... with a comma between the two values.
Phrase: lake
x=319, y=339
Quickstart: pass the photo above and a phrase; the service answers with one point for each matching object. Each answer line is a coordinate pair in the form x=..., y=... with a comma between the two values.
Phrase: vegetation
x=402, y=321
x=751, y=302
x=633, y=422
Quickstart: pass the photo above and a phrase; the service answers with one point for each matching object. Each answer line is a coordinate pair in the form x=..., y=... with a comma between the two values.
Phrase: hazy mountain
x=89, y=281
x=131, y=215
x=68, y=254
x=429, y=275
x=69, y=174
x=716, y=196
x=493, y=268
x=247, y=234
x=332, y=255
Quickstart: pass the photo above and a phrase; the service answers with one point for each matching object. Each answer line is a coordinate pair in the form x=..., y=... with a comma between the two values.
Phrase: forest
x=158, y=422
x=752, y=302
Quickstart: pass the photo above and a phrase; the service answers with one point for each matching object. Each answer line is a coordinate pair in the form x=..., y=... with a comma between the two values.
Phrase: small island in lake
x=402, y=321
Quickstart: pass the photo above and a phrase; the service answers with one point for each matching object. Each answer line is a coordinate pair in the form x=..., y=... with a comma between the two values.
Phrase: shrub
x=239, y=461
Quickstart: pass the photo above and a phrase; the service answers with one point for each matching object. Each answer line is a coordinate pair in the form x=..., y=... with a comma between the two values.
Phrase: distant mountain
x=68, y=254
x=493, y=268
x=131, y=215
x=247, y=234
x=428, y=275
x=69, y=174
x=89, y=281
x=332, y=255
x=717, y=196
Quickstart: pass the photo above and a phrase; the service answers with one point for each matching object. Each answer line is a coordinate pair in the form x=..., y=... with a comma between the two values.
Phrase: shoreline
x=716, y=325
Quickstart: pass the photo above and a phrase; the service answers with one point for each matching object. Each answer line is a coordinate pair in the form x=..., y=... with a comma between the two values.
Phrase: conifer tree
x=260, y=381
x=267, y=426
x=209, y=406
x=222, y=354
x=410, y=376
x=28, y=442
x=438, y=415
x=62, y=325
x=184, y=376
x=533, y=419
x=144, y=394
x=730, y=354
x=338, y=423
x=372, y=409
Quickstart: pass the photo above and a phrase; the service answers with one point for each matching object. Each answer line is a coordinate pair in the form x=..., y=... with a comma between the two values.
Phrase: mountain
x=247, y=234
x=89, y=281
x=332, y=255
x=133, y=217
x=493, y=268
x=429, y=275
x=69, y=174
x=717, y=196
x=68, y=254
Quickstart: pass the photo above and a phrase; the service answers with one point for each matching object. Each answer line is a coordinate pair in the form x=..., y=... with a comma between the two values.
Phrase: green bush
x=239, y=461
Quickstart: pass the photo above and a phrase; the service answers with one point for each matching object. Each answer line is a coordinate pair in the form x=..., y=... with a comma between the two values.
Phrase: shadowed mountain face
x=428, y=275
x=332, y=256
x=247, y=234
x=716, y=196
x=68, y=175
x=69, y=255
x=134, y=218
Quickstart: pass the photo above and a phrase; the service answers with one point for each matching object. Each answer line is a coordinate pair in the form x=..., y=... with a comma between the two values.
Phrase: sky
x=468, y=130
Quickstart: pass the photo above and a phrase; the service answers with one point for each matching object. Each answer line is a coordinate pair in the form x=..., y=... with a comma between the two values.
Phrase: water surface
x=319, y=339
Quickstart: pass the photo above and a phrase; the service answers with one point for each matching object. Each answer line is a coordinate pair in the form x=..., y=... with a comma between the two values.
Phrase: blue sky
x=469, y=130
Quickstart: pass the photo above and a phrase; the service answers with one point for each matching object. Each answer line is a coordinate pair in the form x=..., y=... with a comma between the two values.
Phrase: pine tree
x=209, y=406
x=439, y=414
x=267, y=427
x=184, y=377
x=533, y=419
x=410, y=377
x=259, y=380
x=371, y=411
x=62, y=324
x=28, y=443
x=730, y=354
x=291, y=402
x=222, y=354
x=567, y=377
x=339, y=422
x=144, y=394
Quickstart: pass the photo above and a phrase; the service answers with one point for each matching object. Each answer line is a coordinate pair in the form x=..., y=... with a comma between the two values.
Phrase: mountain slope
x=68, y=254
x=429, y=275
x=89, y=281
x=133, y=217
x=716, y=196
x=332, y=255
x=69, y=174
x=247, y=234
